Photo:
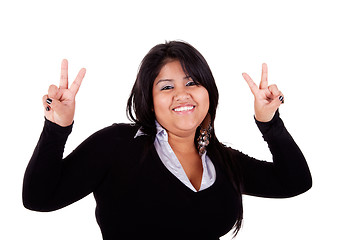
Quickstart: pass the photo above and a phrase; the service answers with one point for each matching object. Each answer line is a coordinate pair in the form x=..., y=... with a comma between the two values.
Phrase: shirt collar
x=161, y=133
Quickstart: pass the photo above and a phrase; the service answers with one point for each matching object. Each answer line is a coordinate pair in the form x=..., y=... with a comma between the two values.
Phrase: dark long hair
x=140, y=102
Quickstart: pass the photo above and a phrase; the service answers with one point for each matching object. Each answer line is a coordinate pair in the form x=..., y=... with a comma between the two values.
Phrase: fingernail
x=281, y=98
x=48, y=101
x=47, y=109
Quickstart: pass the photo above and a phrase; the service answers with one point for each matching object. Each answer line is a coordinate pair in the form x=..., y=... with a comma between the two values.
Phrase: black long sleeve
x=288, y=175
x=51, y=182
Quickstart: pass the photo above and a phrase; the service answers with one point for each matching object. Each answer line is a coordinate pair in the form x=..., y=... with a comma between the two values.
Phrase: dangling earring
x=205, y=134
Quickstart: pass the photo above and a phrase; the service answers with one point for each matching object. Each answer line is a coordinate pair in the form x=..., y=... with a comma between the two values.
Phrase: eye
x=166, y=87
x=191, y=83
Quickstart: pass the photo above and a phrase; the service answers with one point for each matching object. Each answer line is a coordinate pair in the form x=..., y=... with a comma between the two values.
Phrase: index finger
x=253, y=87
x=74, y=88
x=264, y=77
x=64, y=74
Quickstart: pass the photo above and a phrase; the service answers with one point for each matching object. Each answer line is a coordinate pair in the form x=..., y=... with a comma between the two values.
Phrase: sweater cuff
x=265, y=127
x=53, y=127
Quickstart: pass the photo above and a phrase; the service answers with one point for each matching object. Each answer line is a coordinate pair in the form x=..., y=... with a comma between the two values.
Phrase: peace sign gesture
x=267, y=98
x=59, y=103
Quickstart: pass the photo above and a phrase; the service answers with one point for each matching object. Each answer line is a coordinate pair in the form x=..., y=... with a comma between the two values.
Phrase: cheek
x=204, y=98
x=160, y=104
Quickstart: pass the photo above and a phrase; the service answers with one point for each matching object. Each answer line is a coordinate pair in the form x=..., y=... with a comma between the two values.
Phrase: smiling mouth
x=183, y=109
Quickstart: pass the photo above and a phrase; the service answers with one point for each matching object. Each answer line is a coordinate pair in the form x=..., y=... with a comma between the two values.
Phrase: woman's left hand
x=267, y=98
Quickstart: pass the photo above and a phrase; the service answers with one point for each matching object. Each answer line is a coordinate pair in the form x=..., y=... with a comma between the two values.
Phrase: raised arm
x=288, y=175
x=51, y=182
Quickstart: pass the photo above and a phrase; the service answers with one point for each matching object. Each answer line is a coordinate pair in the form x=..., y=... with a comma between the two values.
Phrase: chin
x=186, y=126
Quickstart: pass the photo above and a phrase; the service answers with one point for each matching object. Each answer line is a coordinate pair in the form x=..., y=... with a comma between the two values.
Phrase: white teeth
x=180, y=109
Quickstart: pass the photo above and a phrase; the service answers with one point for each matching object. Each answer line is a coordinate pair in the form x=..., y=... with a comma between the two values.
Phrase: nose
x=181, y=94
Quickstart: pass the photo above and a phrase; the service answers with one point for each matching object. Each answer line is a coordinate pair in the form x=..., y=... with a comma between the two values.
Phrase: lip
x=183, y=106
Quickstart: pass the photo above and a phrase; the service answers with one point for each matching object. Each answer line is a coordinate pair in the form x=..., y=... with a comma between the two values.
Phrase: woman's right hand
x=59, y=103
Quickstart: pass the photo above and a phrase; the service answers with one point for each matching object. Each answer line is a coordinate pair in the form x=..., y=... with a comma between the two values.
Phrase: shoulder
x=116, y=132
x=232, y=156
x=123, y=129
x=225, y=150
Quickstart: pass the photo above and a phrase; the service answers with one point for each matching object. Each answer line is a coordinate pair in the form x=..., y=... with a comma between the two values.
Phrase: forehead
x=171, y=72
x=171, y=68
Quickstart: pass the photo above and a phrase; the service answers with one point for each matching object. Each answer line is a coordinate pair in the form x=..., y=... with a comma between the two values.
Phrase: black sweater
x=138, y=197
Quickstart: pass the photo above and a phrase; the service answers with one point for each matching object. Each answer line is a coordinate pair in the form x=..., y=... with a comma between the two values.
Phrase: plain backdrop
x=312, y=51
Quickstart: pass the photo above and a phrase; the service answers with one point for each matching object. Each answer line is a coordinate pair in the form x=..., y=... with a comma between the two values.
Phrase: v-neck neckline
x=176, y=180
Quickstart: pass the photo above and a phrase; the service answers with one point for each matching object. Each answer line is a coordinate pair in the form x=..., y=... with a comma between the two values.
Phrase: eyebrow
x=164, y=80
x=170, y=80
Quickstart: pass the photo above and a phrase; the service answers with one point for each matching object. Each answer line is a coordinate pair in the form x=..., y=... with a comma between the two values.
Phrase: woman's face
x=179, y=104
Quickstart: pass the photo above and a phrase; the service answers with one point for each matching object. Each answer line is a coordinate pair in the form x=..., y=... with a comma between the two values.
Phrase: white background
x=312, y=50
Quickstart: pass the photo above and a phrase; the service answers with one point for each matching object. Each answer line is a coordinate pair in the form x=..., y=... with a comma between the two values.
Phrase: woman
x=167, y=176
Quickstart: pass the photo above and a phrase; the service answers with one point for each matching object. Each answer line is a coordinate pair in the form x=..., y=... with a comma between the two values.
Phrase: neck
x=182, y=144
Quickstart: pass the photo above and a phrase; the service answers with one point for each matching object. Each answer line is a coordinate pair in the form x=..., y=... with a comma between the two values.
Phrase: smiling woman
x=180, y=105
x=167, y=176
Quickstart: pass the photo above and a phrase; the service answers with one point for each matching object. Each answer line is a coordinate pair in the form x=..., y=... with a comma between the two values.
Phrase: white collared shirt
x=171, y=162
